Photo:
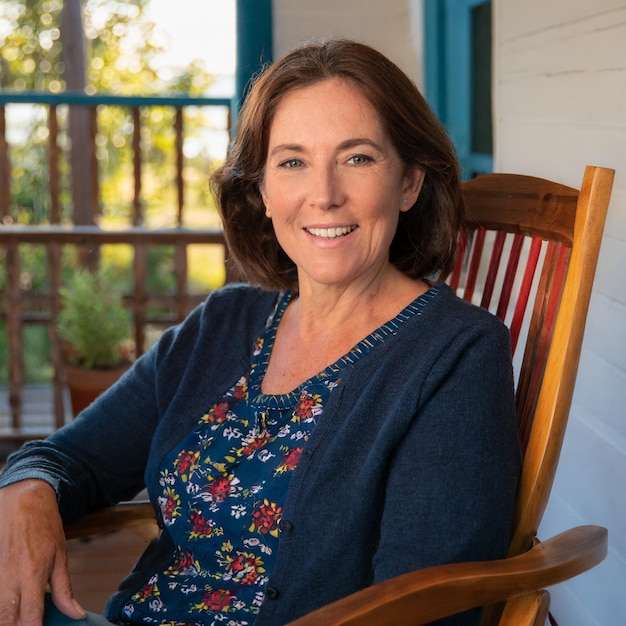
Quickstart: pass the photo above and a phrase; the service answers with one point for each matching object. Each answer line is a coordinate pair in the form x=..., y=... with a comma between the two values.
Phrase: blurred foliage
x=122, y=48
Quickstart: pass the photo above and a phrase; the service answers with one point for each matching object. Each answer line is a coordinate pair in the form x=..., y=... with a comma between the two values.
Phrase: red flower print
x=306, y=406
x=219, y=412
x=265, y=518
x=290, y=461
x=291, y=458
x=217, y=600
x=186, y=464
x=170, y=505
x=201, y=527
x=241, y=388
x=149, y=590
x=219, y=488
x=246, y=568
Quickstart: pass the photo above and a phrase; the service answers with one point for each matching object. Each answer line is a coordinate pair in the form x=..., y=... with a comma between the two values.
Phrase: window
x=458, y=77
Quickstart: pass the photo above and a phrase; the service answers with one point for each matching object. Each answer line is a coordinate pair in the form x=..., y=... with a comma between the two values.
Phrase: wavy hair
x=426, y=236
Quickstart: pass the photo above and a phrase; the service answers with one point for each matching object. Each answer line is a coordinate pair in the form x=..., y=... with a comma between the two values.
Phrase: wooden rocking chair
x=529, y=250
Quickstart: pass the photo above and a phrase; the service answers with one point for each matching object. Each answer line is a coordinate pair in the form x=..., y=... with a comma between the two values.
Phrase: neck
x=357, y=308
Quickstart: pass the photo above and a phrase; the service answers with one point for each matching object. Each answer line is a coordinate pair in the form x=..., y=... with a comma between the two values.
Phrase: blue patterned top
x=224, y=485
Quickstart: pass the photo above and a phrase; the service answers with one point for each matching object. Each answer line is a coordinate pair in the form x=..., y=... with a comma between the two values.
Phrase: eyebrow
x=345, y=145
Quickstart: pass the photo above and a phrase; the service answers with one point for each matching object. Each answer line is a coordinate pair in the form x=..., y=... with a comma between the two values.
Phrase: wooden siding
x=559, y=95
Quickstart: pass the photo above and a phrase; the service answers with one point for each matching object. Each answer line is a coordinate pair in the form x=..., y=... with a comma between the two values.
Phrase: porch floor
x=37, y=416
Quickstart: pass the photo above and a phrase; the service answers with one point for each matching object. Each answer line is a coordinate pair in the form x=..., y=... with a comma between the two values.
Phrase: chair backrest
x=528, y=252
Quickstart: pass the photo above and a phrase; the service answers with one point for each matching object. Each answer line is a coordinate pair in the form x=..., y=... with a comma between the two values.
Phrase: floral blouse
x=223, y=488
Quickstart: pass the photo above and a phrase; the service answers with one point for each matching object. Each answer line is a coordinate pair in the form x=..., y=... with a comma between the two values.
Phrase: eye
x=360, y=159
x=290, y=163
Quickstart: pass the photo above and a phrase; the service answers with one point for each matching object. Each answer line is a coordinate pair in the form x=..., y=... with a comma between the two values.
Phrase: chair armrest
x=426, y=595
x=123, y=515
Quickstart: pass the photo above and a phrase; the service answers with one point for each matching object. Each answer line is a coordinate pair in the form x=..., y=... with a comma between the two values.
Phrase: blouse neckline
x=261, y=360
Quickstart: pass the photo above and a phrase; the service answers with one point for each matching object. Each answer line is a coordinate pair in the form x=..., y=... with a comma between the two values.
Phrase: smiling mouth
x=331, y=233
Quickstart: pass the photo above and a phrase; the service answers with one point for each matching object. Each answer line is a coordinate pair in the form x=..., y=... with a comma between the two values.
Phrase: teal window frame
x=448, y=76
x=254, y=44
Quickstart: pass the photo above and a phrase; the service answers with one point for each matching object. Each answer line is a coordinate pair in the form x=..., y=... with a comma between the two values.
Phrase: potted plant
x=95, y=329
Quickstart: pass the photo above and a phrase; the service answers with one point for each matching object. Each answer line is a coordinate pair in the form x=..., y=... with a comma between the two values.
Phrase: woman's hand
x=32, y=555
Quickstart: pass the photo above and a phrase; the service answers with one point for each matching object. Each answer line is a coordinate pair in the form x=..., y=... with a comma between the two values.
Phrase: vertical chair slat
x=455, y=277
x=509, y=276
x=523, y=294
x=533, y=366
x=474, y=266
x=494, y=266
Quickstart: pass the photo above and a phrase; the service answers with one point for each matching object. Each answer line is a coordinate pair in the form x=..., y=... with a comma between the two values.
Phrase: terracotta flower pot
x=85, y=385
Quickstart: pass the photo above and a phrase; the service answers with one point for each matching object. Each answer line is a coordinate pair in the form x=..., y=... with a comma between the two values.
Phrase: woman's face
x=334, y=185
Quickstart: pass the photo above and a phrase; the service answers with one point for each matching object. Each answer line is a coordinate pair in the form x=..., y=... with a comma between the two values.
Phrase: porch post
x=254, y=45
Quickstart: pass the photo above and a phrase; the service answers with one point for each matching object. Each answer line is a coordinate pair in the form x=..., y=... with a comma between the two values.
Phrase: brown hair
x=425, y=240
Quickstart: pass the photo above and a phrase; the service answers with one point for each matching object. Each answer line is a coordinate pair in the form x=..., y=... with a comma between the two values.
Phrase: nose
x=326, y=190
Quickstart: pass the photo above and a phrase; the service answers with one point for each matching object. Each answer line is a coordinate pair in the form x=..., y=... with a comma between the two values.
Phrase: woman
x=342, y=423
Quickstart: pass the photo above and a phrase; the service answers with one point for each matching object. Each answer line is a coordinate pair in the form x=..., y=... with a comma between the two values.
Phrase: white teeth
x=331, y=233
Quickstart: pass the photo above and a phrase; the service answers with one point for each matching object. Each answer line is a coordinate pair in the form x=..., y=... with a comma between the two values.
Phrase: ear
x=264, y=198
x=411, y=187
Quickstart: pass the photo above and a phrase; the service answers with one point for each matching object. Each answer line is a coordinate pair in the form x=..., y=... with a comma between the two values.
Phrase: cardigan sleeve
x=103, y=456
x=99, y=458
x=453, y=478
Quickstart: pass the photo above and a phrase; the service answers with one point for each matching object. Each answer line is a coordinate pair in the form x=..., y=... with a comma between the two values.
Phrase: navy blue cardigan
x=414, y=462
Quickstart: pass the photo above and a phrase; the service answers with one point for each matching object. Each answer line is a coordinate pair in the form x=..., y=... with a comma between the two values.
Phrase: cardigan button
x=285, y=526
x=271, y=593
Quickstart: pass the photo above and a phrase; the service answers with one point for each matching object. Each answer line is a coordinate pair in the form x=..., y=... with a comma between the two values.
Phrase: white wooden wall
x=392, y=26
x=559, y=104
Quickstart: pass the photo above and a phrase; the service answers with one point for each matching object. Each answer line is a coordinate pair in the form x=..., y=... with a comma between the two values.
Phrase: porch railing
x=84, y=103
x=23, y=307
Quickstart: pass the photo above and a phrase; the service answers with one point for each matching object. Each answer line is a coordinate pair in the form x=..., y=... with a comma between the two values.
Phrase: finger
x=9, y=611
x=62, y=594
x=31, y=610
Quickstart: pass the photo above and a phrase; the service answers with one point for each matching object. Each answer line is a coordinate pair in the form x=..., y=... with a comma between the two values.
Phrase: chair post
x=560, y=374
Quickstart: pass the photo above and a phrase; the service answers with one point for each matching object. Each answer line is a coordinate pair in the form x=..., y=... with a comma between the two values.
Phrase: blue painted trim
x=447, y=74
x=434, y=57
x=254, y=42
x=76, y=97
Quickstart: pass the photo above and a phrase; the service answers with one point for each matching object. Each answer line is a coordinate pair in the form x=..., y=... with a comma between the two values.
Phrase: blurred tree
x=121, y=47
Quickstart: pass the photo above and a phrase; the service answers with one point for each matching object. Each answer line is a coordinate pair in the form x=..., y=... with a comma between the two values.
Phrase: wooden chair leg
x=528, y=610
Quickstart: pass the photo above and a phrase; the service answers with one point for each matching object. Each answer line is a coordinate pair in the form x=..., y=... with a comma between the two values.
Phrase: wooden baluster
x=93, y=160
x=53, y=163
x=139, y=298
x=180, y=186
x=13, y=312
x=5, y=168
x=180, y=253
x=54, y=273
x=136, y=146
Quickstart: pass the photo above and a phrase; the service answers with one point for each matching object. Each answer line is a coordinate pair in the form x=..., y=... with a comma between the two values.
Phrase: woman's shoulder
x=246, y=302
x=447, y=305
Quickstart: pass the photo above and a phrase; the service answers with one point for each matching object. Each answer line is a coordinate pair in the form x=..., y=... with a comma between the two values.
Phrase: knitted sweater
x=414, y=461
